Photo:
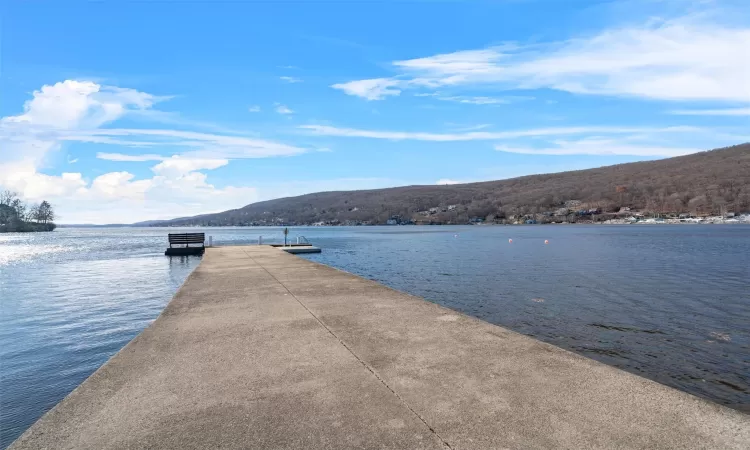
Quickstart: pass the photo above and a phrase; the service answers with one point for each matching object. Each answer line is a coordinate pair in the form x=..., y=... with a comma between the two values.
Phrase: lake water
x=670, y=303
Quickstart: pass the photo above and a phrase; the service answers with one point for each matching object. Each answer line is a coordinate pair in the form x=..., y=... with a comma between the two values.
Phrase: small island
x=17, y=216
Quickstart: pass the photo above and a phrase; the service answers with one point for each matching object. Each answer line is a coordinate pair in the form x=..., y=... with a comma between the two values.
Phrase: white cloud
x=291, y=79
x=599, y=146
x=681, y=59
x=62, y=108
x=459, y=128
x=582, y=140
x=452, y=64
x=254, y=109
x=117, y=197
x=446, y=181
x=176, y=166
x=202, y=145
x=713, y=112
x=283, y=109
x=475, y=100
x=374, y=89
x=75, y=111
x=128, y=158
x=117, y=185
x=23, y=178
x=73, y=104
x=326, y=130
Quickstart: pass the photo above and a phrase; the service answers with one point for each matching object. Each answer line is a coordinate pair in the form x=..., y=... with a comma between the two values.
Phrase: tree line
x=17, y=216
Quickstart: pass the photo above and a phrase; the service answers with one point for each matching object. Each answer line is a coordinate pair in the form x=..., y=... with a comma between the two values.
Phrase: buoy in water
x=510, y=241
x=546, y=241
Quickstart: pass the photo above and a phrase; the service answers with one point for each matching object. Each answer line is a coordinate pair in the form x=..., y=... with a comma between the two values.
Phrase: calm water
x=671, y=303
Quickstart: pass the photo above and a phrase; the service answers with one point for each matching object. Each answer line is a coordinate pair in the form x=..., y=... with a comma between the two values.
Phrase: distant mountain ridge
x=704, y=183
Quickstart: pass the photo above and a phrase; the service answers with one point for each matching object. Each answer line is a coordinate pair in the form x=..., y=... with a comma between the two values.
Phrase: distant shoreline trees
x=17, y=216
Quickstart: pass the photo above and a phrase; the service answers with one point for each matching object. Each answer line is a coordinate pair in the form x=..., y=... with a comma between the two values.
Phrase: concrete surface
x=262, y=349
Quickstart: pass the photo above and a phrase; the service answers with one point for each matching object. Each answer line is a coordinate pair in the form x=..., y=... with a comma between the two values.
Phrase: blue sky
x=127, y=111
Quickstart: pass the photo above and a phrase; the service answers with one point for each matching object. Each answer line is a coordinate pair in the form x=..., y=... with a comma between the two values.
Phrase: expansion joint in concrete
x=349, y=349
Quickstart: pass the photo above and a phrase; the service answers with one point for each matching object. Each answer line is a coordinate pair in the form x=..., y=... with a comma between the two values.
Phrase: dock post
x=210, y=241
x=260, y=240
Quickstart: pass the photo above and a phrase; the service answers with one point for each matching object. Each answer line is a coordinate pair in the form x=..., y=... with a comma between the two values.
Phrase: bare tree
x=34, y=213
x=20, y=207
x=44, y=212
x=6, y=197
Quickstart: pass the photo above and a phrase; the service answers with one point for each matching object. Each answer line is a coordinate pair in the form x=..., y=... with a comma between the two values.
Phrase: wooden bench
x=186, y=239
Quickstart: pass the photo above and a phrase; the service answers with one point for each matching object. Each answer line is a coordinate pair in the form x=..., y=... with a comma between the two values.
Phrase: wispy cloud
x=288, y=67
x=196, y=144
x=128, y=158
x=681, y=59
x=327, y=130
x=374, y=89
x=446, y=181
x=475, y=100
x=458, y=127
x=283, y=109
x=572, y=140
x=598, y=146
x=254, y=109
x=713, y=112
x=291, y=79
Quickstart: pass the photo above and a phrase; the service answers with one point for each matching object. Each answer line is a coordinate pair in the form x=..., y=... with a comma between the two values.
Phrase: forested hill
x=704, y=183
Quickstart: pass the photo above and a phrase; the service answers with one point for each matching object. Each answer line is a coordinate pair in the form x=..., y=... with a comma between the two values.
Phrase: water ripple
x=669, y=303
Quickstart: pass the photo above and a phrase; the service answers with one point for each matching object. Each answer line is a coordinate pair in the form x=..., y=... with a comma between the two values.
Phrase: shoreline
x=394, y=226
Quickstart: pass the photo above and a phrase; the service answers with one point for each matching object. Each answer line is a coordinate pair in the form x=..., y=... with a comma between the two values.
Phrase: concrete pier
x=263, y=349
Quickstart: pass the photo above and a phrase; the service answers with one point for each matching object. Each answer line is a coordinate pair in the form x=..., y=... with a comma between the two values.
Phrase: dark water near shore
x=671, y=303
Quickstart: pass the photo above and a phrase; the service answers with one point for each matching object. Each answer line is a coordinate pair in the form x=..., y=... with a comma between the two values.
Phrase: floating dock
x=294, y=249
x=184, y=251
x=263, y=349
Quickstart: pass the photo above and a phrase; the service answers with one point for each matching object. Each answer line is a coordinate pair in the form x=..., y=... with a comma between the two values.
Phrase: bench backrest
x=187, y=238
